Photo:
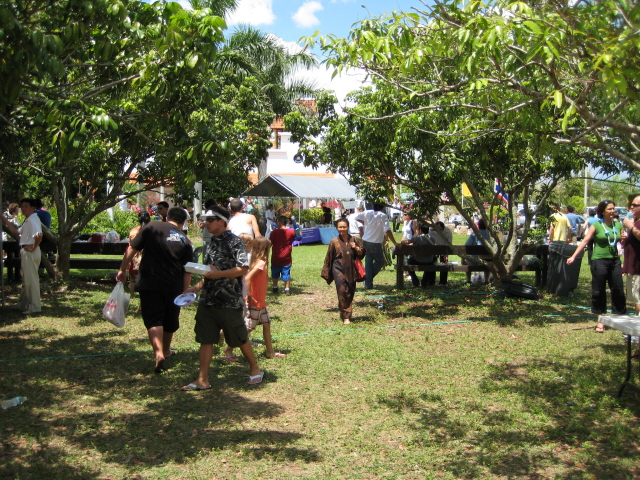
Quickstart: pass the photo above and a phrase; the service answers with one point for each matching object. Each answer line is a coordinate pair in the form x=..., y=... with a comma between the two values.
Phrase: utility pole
x=586, y=186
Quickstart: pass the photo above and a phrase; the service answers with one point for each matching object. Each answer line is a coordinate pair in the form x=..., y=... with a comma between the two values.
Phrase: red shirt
x=282, y=240
x=631, y=263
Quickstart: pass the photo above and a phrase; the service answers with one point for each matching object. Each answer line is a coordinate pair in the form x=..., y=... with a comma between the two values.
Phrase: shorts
x=210, y=320
x=285, y=271
x=256, y=316
x=633, y=288
x=158, y=310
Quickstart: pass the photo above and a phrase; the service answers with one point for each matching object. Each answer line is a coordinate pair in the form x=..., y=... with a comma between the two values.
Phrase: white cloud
x=185, y=4
x=305, y=16
x=253, y=12
x=342, y=84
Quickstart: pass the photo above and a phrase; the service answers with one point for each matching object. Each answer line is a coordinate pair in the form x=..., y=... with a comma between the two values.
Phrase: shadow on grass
x=26, y=344
x=85, y=415
x=567, y=424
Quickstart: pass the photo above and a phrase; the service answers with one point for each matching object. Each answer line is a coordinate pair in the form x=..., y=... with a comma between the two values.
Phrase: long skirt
x=345, y=291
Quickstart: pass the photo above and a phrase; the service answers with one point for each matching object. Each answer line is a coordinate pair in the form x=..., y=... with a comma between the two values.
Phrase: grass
x=521, y=390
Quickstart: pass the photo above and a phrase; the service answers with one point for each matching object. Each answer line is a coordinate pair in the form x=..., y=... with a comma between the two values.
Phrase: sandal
x=230, y=358
x=600, y=328
x=278, y=355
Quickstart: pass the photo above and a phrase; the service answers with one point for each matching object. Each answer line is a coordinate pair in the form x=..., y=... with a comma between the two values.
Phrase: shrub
x=123, y=222
x=311, y=215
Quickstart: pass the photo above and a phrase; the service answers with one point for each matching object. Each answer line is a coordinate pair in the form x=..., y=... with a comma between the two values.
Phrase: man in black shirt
x=161, y=279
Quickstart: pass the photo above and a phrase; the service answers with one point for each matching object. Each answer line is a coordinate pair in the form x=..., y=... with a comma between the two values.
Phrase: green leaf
x=558, y=97
x=192, y=60
x=533, y=26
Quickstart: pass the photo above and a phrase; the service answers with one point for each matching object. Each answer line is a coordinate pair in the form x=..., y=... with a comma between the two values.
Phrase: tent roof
x=302, y=187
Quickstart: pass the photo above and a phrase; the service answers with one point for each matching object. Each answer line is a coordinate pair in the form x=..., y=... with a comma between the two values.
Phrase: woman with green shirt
x=605, y=262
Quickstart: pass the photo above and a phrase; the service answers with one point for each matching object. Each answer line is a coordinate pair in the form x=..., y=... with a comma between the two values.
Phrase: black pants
x=428, y=278
x=603, y=271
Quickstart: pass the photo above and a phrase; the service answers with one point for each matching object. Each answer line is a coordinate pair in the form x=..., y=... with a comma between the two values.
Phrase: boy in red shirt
x=282, y=240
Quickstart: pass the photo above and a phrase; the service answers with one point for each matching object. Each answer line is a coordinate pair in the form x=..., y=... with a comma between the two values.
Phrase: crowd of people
x=233, y=294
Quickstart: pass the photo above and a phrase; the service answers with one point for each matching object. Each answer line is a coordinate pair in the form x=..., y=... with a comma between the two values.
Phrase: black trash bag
x=518, y=289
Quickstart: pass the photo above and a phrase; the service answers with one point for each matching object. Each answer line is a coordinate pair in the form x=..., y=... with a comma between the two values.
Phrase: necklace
x=608, y=234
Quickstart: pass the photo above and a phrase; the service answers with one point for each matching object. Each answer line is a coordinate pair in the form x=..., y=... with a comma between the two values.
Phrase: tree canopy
x=576, y=62
x=474, y=92
x=92, y=90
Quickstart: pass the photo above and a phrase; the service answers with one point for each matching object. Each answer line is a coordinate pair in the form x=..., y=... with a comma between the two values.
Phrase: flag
x=465, y=190
x=500, y=193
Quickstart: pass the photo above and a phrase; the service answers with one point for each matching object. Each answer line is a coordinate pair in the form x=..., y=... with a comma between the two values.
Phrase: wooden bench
x=540, y=268
x=116, y=250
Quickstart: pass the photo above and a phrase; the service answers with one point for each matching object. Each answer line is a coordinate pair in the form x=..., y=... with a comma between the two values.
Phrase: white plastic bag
x=112, y=237
x=477, y=278
x=116, y=307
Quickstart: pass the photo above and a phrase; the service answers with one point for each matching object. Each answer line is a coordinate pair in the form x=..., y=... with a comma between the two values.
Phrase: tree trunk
x=64, y=254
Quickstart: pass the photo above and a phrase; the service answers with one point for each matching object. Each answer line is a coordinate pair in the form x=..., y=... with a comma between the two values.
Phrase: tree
x=477, y=91
x=96, y=88
x=402, y=150
x=575, y=61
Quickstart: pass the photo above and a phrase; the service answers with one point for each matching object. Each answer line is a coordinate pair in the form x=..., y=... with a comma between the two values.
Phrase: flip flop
x=258, y=377
x=192, y=387
x=230, y=359
x=279, y=355
x=600, y=329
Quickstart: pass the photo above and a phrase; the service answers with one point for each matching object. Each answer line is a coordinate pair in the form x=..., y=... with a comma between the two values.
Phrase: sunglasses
x=634, y=205
x=211, y=219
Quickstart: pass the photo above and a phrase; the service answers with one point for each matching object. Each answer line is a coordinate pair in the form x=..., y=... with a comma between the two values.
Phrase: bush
x=123, y=223
x=311, y=215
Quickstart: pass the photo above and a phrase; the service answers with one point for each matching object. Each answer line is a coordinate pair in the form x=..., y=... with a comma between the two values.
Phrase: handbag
x=360, y=272
x=117, y=305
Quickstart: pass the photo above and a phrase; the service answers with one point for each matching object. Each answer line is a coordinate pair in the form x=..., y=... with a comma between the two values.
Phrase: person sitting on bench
x=421, y=239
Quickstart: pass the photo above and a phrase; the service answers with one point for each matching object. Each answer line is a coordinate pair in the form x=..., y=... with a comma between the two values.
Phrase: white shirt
x=238, y=224
x=185, y=225
x=270, y=215
x=376, y=224
x=437, y=239
x=407, y=231
x=29, y=229
x=354, y=226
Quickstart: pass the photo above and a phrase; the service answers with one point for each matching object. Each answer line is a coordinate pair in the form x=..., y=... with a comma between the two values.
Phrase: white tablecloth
x=629, y=324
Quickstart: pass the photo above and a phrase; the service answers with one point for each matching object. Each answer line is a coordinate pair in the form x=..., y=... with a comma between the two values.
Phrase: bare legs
x=161, y=344
x=206, y=354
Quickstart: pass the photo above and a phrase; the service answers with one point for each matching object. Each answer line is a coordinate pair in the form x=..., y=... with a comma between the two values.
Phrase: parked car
x=620, y=210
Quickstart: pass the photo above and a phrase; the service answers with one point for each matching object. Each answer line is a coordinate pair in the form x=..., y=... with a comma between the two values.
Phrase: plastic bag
x=117, y=305
x=477, y=278
x=360, y=271
x=112, y=237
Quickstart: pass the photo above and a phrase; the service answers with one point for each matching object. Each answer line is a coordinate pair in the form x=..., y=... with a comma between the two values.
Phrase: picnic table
x=630, y=326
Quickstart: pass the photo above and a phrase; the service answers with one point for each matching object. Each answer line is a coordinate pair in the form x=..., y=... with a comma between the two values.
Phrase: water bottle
x=14, y=402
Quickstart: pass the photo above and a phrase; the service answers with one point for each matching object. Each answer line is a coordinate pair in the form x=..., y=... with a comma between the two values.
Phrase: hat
x=211, y=213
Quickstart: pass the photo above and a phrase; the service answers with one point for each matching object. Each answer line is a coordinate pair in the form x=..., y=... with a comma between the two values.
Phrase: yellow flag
x=465, y=190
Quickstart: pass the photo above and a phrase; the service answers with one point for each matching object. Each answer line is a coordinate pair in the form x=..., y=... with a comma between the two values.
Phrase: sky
x=292, y=19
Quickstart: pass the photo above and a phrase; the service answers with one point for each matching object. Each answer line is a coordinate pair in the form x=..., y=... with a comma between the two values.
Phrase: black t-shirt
x=166, y=250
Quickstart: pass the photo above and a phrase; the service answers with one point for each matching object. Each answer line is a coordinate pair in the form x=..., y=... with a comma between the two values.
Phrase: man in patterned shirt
x=221, y=301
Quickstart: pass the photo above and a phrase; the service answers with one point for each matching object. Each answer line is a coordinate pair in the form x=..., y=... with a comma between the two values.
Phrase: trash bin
x=562, y=279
